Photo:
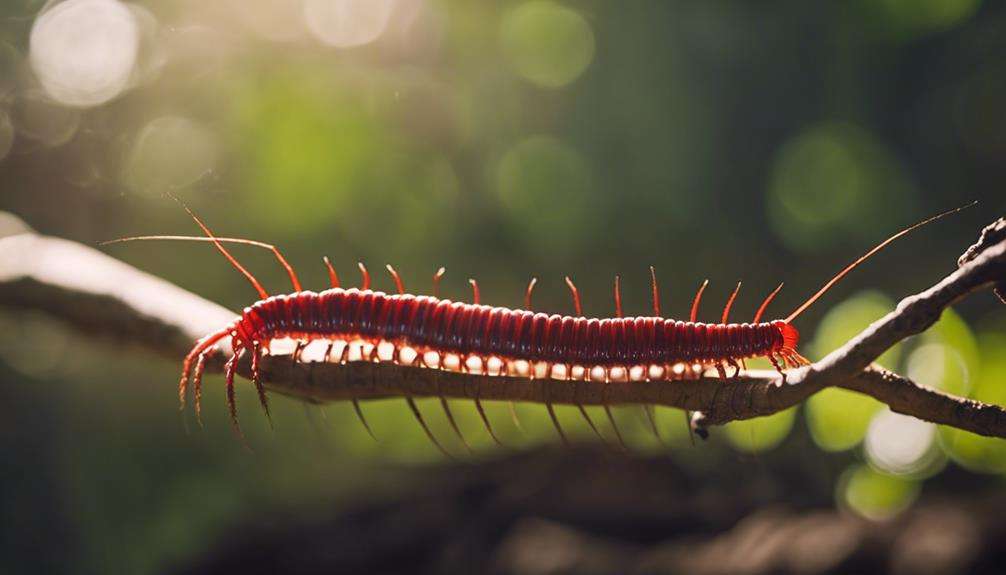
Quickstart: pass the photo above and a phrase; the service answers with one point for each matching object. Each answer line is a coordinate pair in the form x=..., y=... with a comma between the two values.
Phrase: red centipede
x=425, y=331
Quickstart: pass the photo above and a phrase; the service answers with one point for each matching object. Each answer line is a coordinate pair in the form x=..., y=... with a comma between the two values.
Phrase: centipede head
x=790, y=336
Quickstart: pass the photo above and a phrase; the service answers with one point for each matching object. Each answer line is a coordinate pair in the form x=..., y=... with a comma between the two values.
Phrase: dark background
x=729, y=140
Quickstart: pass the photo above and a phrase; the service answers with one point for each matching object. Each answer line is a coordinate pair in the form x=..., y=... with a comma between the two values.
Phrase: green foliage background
x=725, y=140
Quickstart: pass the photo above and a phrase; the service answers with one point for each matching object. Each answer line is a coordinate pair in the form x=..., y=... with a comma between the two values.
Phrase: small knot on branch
x=992, y=234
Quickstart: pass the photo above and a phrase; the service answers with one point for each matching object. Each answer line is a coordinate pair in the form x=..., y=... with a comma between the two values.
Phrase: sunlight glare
x=83, y=51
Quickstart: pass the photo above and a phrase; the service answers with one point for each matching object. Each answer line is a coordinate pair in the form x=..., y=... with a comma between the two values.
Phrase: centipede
x=430, y=332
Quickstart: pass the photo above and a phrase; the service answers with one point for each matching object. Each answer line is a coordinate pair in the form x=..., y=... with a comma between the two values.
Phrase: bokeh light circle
x=546, y=191
x=38, y=118
x=170, y=152
x=834, y=181
x=875, y=495
x=347, y=23
x=83, y=51
x=546, y=43
x=900, y=444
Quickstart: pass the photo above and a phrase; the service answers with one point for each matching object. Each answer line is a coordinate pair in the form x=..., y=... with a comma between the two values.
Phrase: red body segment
x=467, y=329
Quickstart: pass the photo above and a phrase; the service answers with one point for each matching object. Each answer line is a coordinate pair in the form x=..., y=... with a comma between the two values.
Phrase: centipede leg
x=576, y=296
x=527, y=306
x=528, y=292
x=454, y=424
x=721, y=371
x=363, y=420
x=618, y=296
x=590, y=422
x=695, y=303
x=256, y=350
x=333, y=278
x=364, y=276
x=476, y=295
x=436, y=281
x=737, y=368
x=798, y=360
x=555, y=422
x=775, y=364
x=764, y=304
x=485, y=421
x=513, y=416
x=422, y=423
x=730, y=304
x=197, y=387
x=578, y=308
x=648, y=411
x=614, y=427
x=656, y=292
x=229, y=370
x=397, y=279
x=356, y=403
x=204, y=344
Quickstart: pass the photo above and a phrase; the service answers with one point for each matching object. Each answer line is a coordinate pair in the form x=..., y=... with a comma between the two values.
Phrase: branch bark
x=101, y=295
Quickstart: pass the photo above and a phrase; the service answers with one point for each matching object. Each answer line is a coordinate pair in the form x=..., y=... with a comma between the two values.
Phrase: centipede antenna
x=257, y=382
x=576, y=296
x=527, y=294
x=730, y=303
x=436, y=281
x=422, y=423
x=695, y=303
x=476, y=297
x=648, y=410
x=614, y=426
x=333, y=278
x=454, y=424
x=845, y=271
x=656, y=292
x=764, y=304
x=555, y=422
x=485, y=421
x=215, y=241
x=365, y=275
x=363, y=420
x=590, y=422
x=398, y=279
x=206, y=230
x=618, y=296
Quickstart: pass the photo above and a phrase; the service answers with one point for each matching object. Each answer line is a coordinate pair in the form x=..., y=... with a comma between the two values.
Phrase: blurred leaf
x=761, y=433
x=548, y=44
x=850, y=317
x=953, y=358
x=545, y=188
x=838, y=418
x=875, y=495
x=976, y=452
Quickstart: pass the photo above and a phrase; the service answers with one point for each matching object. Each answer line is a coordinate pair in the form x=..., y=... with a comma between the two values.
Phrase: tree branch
x=103, y=296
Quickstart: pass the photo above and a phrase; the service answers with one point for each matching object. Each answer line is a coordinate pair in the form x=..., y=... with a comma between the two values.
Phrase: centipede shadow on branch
x=357, y=344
